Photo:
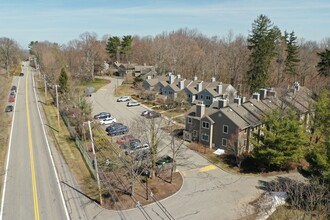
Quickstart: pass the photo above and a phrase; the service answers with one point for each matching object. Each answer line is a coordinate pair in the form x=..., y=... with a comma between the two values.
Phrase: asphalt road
x=31, y=189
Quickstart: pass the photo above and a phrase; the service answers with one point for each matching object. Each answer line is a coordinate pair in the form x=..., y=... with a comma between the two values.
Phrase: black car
x=14, y=88
x=9, y=108
x=117, y=130
x=21, y=74
x=114, y=125
x=102, y=115
x=153, y=114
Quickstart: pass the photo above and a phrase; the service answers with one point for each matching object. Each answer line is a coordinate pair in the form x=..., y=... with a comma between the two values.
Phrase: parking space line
x=201, y=169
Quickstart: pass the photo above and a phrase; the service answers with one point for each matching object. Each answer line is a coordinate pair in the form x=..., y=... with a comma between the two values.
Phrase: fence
x=79, y=145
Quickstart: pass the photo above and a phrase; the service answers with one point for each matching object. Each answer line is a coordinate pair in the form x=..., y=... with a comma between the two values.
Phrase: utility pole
x=58, y=110
x=95, y=161
x=45, y=82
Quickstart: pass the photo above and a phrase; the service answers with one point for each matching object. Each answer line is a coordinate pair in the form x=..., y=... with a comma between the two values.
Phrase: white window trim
x=194, y=133
x=208, y=137
x=222, y=142
x=206, y=122
x=223, y=129
x=189, y=120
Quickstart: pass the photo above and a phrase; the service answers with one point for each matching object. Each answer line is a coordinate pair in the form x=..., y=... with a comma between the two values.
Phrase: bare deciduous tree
x=9, y=53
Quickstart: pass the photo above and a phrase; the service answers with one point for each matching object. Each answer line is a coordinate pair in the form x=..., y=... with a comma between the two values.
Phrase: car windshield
x=134, y=144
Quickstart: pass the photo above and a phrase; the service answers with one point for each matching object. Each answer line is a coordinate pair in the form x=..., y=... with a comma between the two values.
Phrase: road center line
x=33, y=175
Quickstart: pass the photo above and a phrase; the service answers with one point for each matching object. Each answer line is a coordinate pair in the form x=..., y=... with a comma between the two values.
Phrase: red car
x=11, y=98
x=125, y=139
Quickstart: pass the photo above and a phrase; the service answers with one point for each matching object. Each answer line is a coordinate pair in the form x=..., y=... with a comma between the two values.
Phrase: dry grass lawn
x=68, y=149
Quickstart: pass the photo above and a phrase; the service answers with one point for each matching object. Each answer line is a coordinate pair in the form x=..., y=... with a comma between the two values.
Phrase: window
x=189, y=120
x=245, y=142
x=201, y=96
x=225, y=129
x=224, y=142
x=208, y=97
x=194, y=133
x=189, y=96
x=205, y=125
x=205, y=137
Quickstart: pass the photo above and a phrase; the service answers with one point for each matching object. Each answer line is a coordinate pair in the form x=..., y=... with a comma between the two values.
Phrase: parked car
x=9, y=108
x=14, y=88
x=137, y=148
x=123, y=99
x=107, y=121
x=132, y=103
x=125, y=139
x=21, y=74
x=153, y=114
x=13, y=93
x=102, y=115
x=164, y=160
x=113, y=126
x=144, y=113
x=11, y=98
x=117, y=130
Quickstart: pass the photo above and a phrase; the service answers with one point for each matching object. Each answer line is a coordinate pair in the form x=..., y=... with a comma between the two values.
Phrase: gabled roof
x=208, y=111
x=174, y=87
x=300, y=99
x=234, y=117
x=245, y=114
x=213, y=92
x=163, y=83
x=261, y=105
x=152, y=82
x=253, y=109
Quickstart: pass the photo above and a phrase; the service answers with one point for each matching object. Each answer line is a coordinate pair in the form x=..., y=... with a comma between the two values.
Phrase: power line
x=158, y=203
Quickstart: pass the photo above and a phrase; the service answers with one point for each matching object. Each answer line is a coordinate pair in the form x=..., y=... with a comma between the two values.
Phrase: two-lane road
x=31, y=189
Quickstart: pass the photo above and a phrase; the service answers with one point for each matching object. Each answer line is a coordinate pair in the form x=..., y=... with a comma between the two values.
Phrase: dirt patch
x=160, y=187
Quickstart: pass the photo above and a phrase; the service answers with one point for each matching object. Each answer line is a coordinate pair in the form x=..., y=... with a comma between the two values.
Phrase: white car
x=107, y=121
x=132, y=103
x=123, y=99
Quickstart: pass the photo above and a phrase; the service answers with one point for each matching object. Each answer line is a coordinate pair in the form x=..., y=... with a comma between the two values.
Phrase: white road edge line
x=8, y=154
x=49, y=151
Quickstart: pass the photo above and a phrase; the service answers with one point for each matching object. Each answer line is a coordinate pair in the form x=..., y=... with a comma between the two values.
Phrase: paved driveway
x=208, y=192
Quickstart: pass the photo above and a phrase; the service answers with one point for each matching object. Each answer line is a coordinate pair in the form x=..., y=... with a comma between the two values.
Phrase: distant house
x=215, y=91
x=130, y=69
x=228, y=126
x=195, y=90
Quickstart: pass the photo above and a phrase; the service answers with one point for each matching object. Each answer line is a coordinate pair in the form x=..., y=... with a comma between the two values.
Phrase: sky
x=63, y=20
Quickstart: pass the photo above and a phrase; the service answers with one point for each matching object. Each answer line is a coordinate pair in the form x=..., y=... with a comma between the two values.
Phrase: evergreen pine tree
x=113, y=47
x=63, y=81
x=262, y=43
x=318, y=157
x=281, y=141
x=292, y=54
x=126, y=46
x=324, y=64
